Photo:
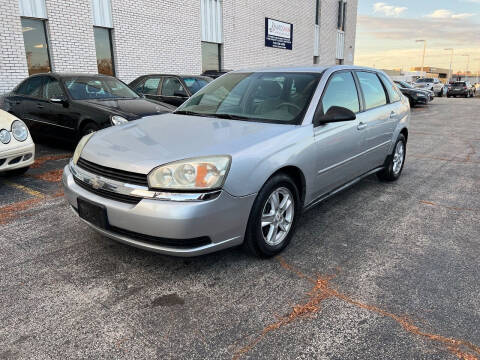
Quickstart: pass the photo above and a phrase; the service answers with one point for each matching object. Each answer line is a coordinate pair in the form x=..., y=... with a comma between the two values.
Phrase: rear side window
x=31, y=87
x=373, y=90
x=341, y=91
x=151, y=86
x=391, y=89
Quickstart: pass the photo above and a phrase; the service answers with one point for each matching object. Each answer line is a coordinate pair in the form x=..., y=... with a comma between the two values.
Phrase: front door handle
x=40, y=106
x=393, y=114
x=361, y=125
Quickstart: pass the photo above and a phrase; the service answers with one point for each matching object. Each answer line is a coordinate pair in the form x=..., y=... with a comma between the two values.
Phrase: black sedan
x=414, y=95
x=171, y=89
x=68, y=106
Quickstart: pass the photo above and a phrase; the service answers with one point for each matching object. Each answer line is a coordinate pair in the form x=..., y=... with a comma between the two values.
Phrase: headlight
x=206, y=173
x=19, y=130
x=81, y=144
x=5, y=136
x=118, y=120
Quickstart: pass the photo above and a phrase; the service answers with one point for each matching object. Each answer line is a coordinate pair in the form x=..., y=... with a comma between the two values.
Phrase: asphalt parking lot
x=381, y=271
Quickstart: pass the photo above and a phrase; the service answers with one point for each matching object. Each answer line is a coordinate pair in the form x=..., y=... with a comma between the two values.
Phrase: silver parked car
x=240, y=160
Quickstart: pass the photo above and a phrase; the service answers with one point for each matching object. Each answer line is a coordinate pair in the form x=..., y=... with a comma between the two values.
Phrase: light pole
x=424, y=49
x=451, y=61
x=468, y=64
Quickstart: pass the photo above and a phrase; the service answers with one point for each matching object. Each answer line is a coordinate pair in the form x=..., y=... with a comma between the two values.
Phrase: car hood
x=155, y=140
x=6, y=120
x=131, y=109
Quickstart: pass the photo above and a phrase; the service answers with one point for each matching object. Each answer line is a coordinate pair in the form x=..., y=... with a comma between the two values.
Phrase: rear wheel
x=394, y=164
x=273, y=217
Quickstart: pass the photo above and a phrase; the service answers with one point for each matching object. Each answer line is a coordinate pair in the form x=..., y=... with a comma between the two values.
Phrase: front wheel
x=273, y=217
x=394, y=164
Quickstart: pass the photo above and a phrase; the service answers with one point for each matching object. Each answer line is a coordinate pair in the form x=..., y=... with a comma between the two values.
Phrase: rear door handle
x=361, y=126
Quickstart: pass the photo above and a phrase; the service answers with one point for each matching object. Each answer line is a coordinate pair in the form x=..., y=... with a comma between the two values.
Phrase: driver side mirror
x=337, y=114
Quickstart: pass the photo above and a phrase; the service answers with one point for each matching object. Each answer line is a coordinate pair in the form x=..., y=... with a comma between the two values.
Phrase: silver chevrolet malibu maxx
x=240, y=160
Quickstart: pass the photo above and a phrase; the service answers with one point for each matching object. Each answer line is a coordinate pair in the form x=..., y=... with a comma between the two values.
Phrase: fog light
x=27, y=157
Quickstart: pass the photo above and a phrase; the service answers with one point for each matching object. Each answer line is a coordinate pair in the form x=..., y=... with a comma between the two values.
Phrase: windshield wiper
x=231, y=117
x=193, y=113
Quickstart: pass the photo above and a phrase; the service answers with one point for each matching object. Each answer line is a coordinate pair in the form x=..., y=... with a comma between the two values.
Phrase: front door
x=338, y=144
x=173, y=92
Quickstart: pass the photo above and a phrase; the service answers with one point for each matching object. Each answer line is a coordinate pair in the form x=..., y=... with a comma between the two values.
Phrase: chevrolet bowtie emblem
x=96, y=183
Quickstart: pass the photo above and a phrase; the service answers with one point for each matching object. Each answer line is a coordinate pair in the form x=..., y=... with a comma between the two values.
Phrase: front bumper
x=222, y=220
x=17, y=155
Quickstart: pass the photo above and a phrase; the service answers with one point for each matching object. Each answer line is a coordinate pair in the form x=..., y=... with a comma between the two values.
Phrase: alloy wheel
x=277, y=216
x=398, y=157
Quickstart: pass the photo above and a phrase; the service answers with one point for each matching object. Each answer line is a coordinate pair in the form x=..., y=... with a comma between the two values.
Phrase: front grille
x=114, y=174
x=108, y=194
x=153, y=240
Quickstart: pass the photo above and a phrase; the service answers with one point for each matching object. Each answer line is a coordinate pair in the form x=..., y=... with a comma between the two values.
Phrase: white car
x=17, y=150
x=432, y=84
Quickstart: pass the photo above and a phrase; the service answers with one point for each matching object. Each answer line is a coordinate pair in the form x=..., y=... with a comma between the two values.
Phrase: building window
x=342, y=15
x=103, y=47
x=36, y=46
x=211, y=56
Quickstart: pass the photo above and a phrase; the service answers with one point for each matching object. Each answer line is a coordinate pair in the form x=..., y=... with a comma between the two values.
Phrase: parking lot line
x=25, y=189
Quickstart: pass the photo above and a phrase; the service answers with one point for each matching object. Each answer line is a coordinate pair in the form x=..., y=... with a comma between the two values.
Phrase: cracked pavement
x=410, y=249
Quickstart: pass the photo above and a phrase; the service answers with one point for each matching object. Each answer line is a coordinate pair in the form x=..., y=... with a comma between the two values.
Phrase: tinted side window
x=53, y=89
x=138, y=87
x=31, y=87
x=341, y=91
x=372, y=89
x=172, y=87
x=391, y=89
x=151, y=86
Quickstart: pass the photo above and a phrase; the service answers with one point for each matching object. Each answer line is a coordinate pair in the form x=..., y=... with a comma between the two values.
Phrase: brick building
x=131, y=38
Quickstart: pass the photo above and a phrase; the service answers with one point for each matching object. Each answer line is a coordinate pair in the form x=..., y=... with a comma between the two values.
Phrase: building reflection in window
x=36, y=46
x=103, y=46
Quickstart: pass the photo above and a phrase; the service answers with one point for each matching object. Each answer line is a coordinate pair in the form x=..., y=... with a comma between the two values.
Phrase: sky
x=387, y=30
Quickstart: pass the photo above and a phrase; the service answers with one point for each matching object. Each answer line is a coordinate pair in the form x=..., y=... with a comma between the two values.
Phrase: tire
x=391, y=172
x=88, y=128
x=260, y=240
x=412, y=102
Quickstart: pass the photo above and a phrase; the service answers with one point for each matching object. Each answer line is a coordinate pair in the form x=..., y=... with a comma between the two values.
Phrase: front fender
x=253, y=166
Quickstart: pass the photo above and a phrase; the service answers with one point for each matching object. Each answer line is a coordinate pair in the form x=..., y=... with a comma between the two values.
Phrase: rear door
x=26, y=101
x=338, y=144
x=377, y=122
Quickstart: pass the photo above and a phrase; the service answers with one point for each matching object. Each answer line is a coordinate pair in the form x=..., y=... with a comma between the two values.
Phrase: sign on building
x=278, y=34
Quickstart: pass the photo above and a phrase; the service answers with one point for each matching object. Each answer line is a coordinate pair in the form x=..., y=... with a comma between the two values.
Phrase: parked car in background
x=17, y=150
x=432, y=84
x=240, y=160
x=171, y=89
x=68, y=106
x=461, y=88
x=415, y=96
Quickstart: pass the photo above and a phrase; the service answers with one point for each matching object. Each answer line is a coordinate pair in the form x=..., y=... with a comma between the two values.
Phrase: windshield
x=403, y=84
x=86, y=88
x=424, y=80
x=194, y=84
x=260, y=96
x=458, y=84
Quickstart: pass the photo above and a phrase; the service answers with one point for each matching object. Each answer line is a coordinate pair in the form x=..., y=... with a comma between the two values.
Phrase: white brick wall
x=165, y=36
x=13, y=63
x=70, y=27
x=154, y=36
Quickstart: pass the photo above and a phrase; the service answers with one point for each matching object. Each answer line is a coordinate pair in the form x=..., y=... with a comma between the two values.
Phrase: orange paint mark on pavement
x=322, y=290
x=41, y=160
x=50, y=176
x=446, y=207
